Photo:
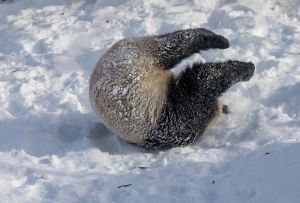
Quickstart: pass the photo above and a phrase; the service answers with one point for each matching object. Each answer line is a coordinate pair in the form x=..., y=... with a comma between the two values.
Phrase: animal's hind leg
x=171, y=48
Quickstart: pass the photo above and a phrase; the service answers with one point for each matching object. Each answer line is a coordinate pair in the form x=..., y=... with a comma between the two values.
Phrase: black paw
x=211, y=40
x=225, y=109
x=243, y=70
x=248, y=70
x=220, y=42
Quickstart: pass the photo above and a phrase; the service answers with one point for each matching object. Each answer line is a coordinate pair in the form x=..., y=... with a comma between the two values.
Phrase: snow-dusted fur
x=128, y=90
x=54, y=147
x=135, y=93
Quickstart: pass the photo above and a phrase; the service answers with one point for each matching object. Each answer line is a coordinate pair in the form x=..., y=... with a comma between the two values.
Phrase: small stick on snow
x=127, y=185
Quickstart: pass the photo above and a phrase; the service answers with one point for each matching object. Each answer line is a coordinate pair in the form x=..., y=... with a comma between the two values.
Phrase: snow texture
x=54, y=149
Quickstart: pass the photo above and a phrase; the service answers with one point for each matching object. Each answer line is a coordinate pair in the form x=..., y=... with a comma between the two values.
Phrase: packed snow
x=53, y=147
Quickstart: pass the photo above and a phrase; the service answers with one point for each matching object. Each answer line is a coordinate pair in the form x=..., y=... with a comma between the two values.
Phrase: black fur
x=192, y=102
x=225, y=109
x=173, y=47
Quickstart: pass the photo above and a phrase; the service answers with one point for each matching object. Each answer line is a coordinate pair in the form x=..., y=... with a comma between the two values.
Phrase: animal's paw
x=247, y=70
x=225, y=109
x=220, y=42
x=210, y=39
x=243, y=70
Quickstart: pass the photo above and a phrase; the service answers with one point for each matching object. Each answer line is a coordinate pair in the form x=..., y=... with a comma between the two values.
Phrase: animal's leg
x=173, y=47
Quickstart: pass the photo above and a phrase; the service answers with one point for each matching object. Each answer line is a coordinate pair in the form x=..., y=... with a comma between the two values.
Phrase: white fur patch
x=156, y=88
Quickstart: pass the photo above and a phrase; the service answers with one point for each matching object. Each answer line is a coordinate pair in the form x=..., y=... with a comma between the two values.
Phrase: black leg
x=173, y=47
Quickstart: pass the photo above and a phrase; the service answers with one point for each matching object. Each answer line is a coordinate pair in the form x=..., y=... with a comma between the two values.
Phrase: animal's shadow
x=106, y=141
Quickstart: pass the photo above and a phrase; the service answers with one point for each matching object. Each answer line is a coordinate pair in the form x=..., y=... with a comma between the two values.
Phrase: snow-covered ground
x=53, y=147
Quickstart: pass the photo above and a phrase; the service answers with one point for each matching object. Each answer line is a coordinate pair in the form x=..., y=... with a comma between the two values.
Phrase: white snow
x=53, y=147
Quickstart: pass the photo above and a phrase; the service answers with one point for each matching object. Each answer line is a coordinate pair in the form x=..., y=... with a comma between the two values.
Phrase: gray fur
x=133, y=91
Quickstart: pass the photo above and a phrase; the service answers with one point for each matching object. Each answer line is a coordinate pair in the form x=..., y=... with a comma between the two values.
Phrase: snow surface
x=53, y=147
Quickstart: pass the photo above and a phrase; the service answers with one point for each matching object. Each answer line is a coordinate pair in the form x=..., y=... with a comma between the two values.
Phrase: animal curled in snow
x=135, y=93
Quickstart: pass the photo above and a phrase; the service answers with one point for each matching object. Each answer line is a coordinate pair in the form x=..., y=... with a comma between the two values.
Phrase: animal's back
x=127, y=90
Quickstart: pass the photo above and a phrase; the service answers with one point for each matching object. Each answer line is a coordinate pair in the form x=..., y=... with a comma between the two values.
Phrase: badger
x=134, y=92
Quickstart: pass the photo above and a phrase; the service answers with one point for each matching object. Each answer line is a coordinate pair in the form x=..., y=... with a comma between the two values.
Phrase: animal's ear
x=171, y=48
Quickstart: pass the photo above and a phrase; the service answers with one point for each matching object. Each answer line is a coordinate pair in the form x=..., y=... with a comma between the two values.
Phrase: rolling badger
x=135, y=93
